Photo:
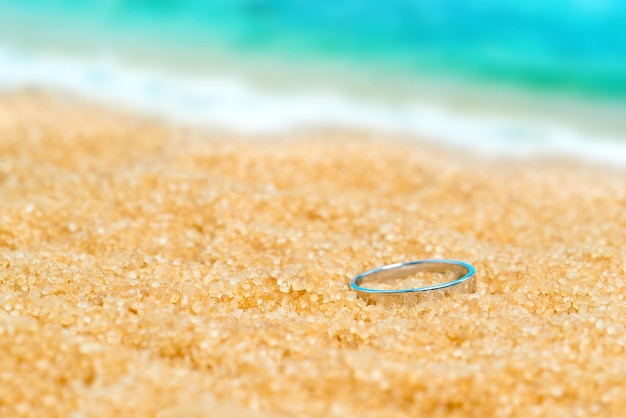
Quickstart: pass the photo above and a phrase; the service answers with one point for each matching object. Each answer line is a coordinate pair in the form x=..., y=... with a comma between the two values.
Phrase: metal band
x=464, y=282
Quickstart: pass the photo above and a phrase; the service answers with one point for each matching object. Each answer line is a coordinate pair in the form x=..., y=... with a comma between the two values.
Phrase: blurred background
x=523, y=77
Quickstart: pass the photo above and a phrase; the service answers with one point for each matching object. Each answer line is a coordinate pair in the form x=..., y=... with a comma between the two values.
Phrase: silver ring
x=464, y=280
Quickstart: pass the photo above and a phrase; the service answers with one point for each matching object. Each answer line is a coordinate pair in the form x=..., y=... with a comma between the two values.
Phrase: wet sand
x=151, y=270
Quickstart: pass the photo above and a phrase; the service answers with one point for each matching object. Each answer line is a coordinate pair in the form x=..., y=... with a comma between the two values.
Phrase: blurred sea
x=530, y=77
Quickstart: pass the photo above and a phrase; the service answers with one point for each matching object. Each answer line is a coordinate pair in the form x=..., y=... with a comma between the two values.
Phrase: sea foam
x=234, y=104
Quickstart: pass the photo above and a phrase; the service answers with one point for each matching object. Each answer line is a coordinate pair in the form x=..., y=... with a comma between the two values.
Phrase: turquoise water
x=575, y=46
x=523, y=78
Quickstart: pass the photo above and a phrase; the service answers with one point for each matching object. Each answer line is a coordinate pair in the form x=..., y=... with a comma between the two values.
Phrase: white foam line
x=232, y=104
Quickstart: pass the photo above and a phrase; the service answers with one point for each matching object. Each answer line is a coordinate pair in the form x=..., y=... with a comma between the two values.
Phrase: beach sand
x=153, y=270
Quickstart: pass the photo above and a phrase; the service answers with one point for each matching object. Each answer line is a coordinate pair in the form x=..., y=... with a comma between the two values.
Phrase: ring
x=459, y=278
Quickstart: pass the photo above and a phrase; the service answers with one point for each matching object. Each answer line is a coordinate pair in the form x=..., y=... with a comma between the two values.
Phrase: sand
x=153, y=270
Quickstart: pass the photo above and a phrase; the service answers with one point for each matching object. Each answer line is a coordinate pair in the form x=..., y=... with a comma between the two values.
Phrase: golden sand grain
x=148, y=270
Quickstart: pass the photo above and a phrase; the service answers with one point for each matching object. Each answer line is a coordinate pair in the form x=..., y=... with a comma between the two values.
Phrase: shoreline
x=148, y=269
x=224, y=101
